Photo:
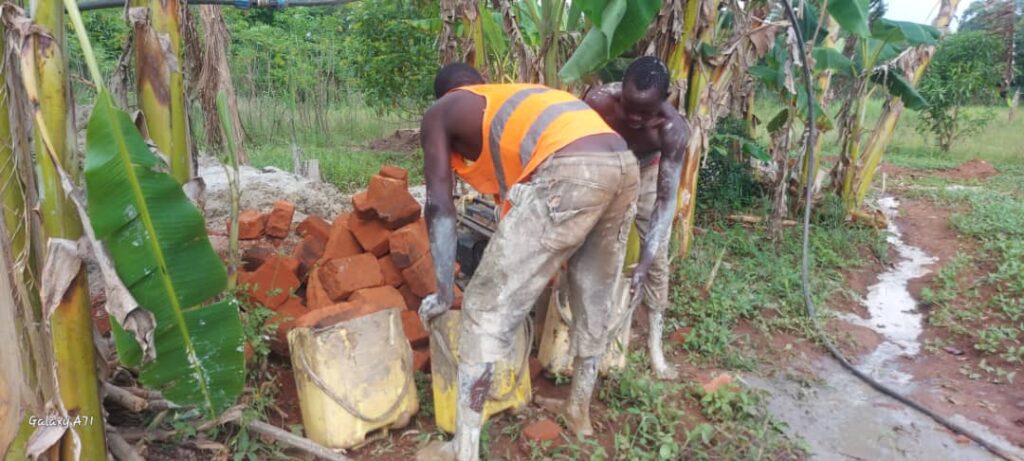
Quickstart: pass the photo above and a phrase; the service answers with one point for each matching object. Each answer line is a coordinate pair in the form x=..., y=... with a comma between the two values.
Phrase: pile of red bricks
x=375, y=258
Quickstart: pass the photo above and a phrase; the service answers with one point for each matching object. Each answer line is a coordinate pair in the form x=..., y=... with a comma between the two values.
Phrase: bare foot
x=577, y=421
x=437, y=451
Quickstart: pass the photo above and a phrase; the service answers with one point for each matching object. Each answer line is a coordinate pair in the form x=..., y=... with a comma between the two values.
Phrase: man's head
x=453, y=76
x=644, y=89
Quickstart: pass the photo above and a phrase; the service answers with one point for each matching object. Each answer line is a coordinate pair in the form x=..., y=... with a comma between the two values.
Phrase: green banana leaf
x=494, y=35
x=157, y=239
x=832, y=59
x=901, y=88
x=910, y=33
x=852, y=16
x=617, y=26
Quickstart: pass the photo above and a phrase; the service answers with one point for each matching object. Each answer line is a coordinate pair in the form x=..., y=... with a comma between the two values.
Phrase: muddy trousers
x=655, y=290
x=576, y=208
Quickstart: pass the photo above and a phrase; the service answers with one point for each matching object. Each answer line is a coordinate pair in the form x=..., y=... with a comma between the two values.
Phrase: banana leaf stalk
x=45, y=78
x=161, y=80
x=234, y=259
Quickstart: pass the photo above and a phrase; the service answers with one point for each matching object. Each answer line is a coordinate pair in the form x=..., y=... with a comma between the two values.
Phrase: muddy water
x=840, y=417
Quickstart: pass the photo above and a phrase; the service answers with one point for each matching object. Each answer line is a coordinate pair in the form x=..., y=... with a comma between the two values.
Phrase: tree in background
x=1000, y=18
x=966, y=70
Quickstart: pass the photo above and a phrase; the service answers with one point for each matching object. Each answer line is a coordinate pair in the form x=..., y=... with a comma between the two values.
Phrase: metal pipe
x=242, y=4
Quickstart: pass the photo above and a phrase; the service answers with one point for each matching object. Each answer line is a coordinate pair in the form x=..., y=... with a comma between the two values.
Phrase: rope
x=341, y=401
x=810, y=142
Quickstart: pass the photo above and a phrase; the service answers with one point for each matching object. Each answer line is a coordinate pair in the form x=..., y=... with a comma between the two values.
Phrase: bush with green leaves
x=966, y=70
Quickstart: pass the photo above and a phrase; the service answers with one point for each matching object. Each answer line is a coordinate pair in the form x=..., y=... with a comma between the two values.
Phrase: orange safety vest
x=523, y=125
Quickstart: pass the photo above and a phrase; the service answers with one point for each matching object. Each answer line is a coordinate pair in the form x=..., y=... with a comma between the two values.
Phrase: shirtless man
x=568, y=188
x=657, y=133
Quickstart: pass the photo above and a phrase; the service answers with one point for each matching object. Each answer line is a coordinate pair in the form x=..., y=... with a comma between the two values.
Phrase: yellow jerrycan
x=353, y=378
x=511, y=388
x=555, y=351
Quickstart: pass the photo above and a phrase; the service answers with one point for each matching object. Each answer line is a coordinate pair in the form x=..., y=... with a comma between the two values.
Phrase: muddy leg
x=576, y=411
x=474, y=385
x=662, y=370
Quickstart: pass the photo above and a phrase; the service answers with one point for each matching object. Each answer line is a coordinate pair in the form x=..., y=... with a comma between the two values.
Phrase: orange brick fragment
x=342, y=277
x=279, y=222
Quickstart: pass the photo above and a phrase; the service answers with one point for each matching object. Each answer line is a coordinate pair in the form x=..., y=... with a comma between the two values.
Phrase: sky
x=922, y=11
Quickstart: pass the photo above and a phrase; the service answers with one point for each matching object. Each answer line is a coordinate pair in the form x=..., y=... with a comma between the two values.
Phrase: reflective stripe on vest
x=533, y=134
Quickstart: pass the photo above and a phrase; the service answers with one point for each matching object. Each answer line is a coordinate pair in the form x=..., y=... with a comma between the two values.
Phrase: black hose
x=811, y=142
x=243, y=4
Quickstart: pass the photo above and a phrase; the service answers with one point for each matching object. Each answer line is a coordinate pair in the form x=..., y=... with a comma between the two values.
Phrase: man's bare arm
x=675, y=134
x=440, y=209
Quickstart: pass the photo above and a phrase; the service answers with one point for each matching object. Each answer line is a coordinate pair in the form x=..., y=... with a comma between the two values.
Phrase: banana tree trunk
x=215, y=77
x=809, y=171
x=886, y=126
x=71, y=322
x=453, y=49
x=160, y=80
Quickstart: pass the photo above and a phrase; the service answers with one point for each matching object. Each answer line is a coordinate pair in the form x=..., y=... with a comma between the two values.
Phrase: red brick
x=386, y=296
x=421, y=360
x=420, y=277
x=414, y=330
x=314, y=226
x=392, y=274
x=336, y=313
x=273, y=282
x=284, y=320
x=394, y=172
x=371, y=235
x=391, y=199
x=290, y=263
x=341, y=243
x=342, y=277
x=279, y=223
x=250, y=225
x=254, y=257
x=719, y=382
x=308, y=252
x=316, y=296
x=362, y=207
x=411, y=300
x=408, y=245
x=544, y=430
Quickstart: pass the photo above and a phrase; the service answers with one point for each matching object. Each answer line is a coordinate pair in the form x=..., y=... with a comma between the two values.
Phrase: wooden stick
x=120, y=448
x=295, y=441
x=124, y=399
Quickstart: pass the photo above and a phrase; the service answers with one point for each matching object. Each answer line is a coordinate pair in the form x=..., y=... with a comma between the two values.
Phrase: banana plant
x=157, y=240
x=873, y=67
x=616, y=26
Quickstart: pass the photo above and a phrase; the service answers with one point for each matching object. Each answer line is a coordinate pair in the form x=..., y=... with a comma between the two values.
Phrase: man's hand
x=637, y=281
x=432, y=307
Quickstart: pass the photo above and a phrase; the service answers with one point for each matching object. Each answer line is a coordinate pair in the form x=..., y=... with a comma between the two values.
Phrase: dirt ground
x=404, y=140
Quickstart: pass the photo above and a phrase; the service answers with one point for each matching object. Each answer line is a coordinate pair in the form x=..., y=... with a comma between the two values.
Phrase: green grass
x=348, y=170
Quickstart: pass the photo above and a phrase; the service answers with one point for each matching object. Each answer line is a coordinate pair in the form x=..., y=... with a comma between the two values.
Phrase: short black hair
x=453, y=76
x=648, y=72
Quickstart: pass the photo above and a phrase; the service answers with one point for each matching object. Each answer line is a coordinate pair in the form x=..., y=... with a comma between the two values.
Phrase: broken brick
x=362, y=207
x=394, y=172
x=720, y=381
x=421, y=360
x=411, y=300
x=279, y=222
x=336, y=313
x=408, y=245
x=250, y=225
x=342, y=277
x=308, y=252
x=387, y=296
x=273, y=282
x=392, y=274
x=414, y=330
x=391, y=199
x=290, y=263
x=314, y=226
x=254, y=257
x=544, y=430
x=420, y=277
x=371, y=235
x=316, y=296
x=341, y=243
